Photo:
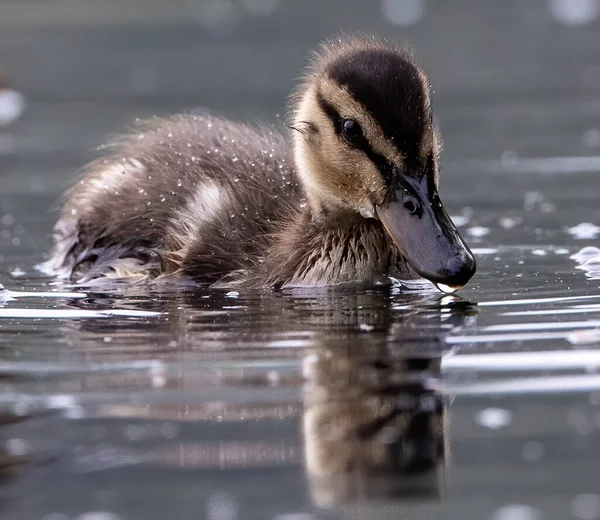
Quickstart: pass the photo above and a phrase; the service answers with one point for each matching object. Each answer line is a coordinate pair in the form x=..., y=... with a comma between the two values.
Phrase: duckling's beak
x=417, y=222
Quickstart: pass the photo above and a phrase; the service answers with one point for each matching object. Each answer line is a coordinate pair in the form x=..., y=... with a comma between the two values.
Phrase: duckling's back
x=192, y=194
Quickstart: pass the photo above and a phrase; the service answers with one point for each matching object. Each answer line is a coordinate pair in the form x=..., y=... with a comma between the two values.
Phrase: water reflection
x=374, y=427
x=341, y=390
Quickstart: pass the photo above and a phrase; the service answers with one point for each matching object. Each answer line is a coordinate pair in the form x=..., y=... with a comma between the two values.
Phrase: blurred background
x=513, y=80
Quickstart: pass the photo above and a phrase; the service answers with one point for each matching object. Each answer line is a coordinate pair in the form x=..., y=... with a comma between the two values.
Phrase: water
x=132, y=404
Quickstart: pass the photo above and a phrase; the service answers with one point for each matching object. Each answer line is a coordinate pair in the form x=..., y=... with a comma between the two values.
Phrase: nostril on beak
x=461, y=267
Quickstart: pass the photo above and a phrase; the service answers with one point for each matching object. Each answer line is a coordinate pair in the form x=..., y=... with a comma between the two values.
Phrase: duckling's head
x=366, y=144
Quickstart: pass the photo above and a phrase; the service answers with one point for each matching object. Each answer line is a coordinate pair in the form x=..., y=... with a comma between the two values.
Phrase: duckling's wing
x=189, y=193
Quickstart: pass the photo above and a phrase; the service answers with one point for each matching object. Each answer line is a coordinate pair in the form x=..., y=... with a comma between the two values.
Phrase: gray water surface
x=392, y=403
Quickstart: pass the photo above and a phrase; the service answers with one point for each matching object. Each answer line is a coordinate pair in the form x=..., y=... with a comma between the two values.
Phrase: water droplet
x=447, y=288
x=584, y=231
x=494, y=418
x=508, y=222
x=478, y=231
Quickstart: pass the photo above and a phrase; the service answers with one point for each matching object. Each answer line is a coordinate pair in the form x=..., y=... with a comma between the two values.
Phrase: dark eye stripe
x=384, y=165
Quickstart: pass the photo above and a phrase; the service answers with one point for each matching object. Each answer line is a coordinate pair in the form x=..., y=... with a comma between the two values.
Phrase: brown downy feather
x=226, y=203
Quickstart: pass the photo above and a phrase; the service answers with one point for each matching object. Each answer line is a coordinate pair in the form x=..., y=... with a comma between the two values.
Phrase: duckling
x=352, y=202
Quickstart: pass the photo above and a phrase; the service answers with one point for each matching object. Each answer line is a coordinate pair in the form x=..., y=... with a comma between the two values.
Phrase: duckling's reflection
x=373, y=422
x=373, y=426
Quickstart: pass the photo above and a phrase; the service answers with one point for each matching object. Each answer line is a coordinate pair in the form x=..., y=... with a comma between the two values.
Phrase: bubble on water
x=586, y=506
x=478, y=231
x=517, y=512
x=232, y=294
x=60, y=401
x=574, y=12
x=12, y=106
x=364, y=327
x=98, y=515
x=494, y=418
x=584, y=231
x=8, y=220
x=221, y=506
x=533, y=451
x=509, y=222
x=509, y=158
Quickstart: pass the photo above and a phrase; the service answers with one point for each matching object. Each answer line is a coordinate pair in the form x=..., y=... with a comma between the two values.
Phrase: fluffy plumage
x=221, y=202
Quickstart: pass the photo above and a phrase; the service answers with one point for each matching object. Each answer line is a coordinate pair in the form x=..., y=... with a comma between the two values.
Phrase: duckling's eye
x=411, y=204
x=351, y=130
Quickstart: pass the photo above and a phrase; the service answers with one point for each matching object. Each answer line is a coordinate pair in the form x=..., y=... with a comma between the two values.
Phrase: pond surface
x=392, y=403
